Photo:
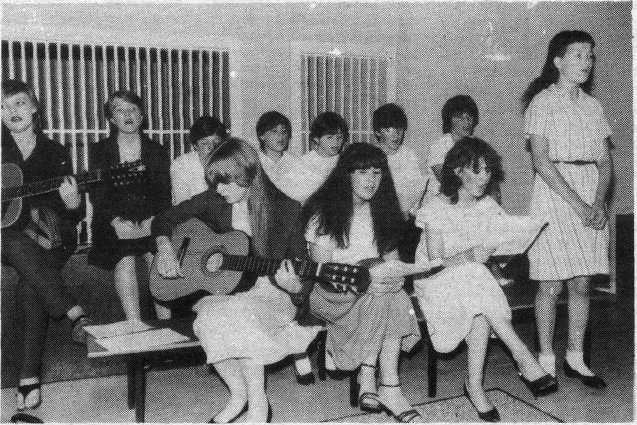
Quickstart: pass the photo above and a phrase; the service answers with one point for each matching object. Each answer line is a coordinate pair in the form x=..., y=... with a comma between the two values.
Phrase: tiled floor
x=192, y=395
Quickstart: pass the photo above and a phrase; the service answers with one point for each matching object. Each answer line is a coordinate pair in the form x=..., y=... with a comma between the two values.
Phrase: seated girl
x=243, y=332
x=464, y=301
x=122, y=215
x=328, y=134
x=187, y=177
x=356, y=215
x=274, y=131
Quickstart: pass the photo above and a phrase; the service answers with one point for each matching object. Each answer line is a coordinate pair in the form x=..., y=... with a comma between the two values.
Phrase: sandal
x=24, y=391
x=368, y=401
x=78, y=334
x=409, y=415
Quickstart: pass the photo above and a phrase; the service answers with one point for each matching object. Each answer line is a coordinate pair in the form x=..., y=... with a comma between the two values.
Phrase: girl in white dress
x=243, y=332
x=464, y=301
x=569, y=139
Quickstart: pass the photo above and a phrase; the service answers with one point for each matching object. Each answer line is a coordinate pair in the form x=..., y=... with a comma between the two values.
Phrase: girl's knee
x=550, y=289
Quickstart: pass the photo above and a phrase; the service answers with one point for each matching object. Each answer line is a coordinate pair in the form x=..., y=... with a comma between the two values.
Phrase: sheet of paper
x=513, y=234
x=118, y=328
x=142, y=340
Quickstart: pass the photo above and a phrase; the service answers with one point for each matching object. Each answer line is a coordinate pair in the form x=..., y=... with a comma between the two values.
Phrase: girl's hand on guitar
x=126, y=229
x=287, y=278
x=69, y=193
x=167, y=264
x=388, y=276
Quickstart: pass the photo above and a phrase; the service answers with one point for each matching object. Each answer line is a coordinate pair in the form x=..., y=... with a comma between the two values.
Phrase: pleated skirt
x=566, y=248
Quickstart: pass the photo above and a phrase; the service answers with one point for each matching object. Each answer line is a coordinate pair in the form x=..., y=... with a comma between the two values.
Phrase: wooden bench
x=137, y=359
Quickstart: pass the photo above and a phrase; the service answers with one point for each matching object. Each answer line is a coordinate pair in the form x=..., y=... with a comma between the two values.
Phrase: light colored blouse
x=576, y=129
x=361, y=238
x=306, y=175
x=408, y=178
x=187, y=177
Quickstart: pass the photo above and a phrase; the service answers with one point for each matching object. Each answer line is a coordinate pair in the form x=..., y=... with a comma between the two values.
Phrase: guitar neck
x=45, y=186
x=266, y=266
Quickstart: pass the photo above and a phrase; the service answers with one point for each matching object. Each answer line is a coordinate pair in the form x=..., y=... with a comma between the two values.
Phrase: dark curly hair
x=467, y=153
x=333, y=203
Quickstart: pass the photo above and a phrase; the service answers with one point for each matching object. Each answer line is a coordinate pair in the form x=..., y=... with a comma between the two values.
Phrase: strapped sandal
x=24, y=391
x=410, y=415
x=368, y=401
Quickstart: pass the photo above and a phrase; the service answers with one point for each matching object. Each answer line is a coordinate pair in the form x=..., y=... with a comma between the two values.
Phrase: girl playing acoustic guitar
x=241, y=333
x=41, y=288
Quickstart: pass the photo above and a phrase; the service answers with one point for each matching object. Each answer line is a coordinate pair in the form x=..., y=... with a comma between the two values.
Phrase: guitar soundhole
x=214, y=262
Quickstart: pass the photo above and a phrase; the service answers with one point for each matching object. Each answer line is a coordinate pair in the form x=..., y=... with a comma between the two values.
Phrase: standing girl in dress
x=353, y=216
x=243, y=332
x=121, y=224
x=464, y=301
x=569, y=140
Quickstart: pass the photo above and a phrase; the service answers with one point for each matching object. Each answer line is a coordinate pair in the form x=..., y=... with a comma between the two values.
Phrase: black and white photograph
x=317, y=211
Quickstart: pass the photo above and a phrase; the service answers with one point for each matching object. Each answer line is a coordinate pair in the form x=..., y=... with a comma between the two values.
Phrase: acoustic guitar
x=215, y=262
x=14, y=189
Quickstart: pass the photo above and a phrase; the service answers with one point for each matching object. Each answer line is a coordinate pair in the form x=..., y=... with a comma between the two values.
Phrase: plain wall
x=442, y=49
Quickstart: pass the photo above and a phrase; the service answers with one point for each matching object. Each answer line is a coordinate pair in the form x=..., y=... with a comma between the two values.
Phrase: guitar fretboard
x=44, y=186
x=265, y=266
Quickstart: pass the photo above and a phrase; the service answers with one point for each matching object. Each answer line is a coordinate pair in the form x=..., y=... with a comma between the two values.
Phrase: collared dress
x=453, y=297
x=576, y=130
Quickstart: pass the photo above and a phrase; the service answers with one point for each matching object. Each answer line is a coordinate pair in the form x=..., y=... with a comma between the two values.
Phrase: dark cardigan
x=135, y=202
x=284, y=236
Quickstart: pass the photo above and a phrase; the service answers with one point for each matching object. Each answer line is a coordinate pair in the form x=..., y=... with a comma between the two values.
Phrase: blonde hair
x=235, y=160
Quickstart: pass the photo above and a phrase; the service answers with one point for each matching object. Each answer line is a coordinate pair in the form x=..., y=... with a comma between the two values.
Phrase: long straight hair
x=235, y=160
x=550, y=74
x=333, y=203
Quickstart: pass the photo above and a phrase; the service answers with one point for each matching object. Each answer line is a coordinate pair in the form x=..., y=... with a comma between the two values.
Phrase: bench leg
x=432, y=369
x=130, y=380
x=140, y=389
x=320, y=359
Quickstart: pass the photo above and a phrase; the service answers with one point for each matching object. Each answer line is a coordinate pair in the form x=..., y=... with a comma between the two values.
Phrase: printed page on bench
x=513, y=234
x=142, y=340
x=118, y=328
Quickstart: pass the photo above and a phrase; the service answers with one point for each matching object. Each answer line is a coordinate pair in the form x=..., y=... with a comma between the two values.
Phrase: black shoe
x=306, y=379
x=491, y=415
x=25, y=418
x=245, y=409
x=25, y=390
x=542, y=386
x=590, y=381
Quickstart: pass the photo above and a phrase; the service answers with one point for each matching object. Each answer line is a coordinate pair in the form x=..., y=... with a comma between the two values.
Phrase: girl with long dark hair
x=353, y=216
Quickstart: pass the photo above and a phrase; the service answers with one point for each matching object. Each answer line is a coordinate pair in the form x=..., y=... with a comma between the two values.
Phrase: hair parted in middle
x=466, y=153
x=235, y=160
x=333, y=205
